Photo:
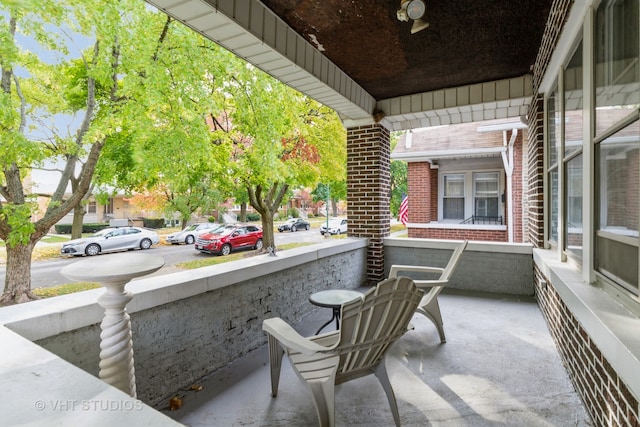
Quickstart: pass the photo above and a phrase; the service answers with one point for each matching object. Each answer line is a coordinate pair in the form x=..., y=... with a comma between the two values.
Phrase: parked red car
x=231, y=238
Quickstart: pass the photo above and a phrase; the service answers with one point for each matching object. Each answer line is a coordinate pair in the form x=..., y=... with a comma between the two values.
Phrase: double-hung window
x=617, y=143
x=486, y=196
x=453, y=198
x=572, y=154
x=471, y=196
x=107, y=209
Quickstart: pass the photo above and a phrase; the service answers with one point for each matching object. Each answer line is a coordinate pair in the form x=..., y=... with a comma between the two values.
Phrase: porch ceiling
x=472, y=63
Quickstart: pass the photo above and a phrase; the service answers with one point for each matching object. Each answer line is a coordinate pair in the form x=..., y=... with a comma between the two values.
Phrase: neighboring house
x=44, y=181
x=116, y=207
x=465, y=181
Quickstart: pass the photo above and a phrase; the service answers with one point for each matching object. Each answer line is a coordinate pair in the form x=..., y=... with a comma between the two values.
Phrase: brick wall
x=555, y=22
x=606, y=397
x=368, y=189
x=459, y=234
x=534, y=196
x=517, y=186
x=422, y=185
x=185, y=338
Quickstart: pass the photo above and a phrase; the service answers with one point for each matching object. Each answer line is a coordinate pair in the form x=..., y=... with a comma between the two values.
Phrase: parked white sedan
x=111, y=240
x=191, y=233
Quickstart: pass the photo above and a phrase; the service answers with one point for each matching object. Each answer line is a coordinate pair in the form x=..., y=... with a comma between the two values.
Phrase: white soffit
x=432, y=155
x=254, y=33
x=500, y=99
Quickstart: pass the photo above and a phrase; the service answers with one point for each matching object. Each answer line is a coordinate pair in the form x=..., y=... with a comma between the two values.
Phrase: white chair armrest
x=288, y=336
x=428, y=284
x=393, y=272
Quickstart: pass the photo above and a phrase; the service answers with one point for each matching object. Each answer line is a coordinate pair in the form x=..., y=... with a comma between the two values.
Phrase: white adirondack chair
x=429, y=305
x=369, y=326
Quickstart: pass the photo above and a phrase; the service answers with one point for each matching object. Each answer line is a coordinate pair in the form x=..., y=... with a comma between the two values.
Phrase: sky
x=66, y=125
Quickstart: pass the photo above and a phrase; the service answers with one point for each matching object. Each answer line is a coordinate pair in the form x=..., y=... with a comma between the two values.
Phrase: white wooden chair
x=429, y=305
x=369, y=326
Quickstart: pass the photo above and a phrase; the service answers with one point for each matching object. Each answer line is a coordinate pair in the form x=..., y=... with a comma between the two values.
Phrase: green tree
x=331, y=137
x=285, y=136
x=174, y=148
x=398, y=179
x=45, y=90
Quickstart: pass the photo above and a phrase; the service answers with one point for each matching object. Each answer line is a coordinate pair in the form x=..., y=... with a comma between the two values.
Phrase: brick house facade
x=467, y=151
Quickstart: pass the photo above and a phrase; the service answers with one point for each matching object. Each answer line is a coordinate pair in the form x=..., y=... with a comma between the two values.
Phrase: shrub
x=86, y=228
x=153, y=222
x=253, y=217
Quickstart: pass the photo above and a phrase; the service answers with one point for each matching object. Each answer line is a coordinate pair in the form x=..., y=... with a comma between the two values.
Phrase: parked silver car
x=191, y=233
x=111, y=240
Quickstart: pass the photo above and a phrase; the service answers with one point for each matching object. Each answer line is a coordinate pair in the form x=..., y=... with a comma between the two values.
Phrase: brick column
x=535, y=174
x=368, y=188
x=422, y=185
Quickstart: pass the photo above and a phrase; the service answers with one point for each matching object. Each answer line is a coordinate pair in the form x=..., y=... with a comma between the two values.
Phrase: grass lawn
x=397, y=227
x=69, y=288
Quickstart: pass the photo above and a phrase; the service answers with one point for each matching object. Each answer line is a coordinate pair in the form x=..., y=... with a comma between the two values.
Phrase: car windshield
x=191, y=227
x=334, y=222
x=222, y=230
x=102, y=232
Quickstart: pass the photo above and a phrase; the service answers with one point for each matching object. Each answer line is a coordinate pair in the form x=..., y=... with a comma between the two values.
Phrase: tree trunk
x=334, y=207
x=17, y=288
x=243, y=212
x=184, y=219
x=268, y=235
x=267, y=207
x=76, y=225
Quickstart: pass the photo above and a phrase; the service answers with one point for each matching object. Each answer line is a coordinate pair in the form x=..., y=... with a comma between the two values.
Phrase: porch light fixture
x=415, y=10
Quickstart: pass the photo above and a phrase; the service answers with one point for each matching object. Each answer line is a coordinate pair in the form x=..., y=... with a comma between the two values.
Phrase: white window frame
x=469, y=193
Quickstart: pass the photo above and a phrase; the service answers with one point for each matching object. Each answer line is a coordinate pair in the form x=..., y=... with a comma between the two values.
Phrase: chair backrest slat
x=370, y=325
x=453, y=261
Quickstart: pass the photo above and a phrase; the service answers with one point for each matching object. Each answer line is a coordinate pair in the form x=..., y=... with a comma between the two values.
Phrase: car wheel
x=258, y=245
x=189, y=240
x=294, y=229
x=145, y=244
x=225, y=250
x=307, y=227
x=92, y=249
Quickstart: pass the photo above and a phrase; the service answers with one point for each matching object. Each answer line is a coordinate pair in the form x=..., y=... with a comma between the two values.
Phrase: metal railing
x=477, y=219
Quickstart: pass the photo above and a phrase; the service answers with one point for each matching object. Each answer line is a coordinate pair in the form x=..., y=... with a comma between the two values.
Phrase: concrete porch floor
x=499, y=367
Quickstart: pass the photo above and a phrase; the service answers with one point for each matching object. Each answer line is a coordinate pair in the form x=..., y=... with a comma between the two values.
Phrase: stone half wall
x=500, y=268
x=186, y=325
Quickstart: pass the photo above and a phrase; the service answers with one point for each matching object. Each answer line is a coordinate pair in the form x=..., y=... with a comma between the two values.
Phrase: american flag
x=404, y=209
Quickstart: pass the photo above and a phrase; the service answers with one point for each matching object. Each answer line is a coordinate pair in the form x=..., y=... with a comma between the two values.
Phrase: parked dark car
x=294, y=224
x=231, y=238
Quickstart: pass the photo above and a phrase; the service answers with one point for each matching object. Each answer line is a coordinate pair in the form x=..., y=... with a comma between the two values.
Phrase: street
x=47, y=273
